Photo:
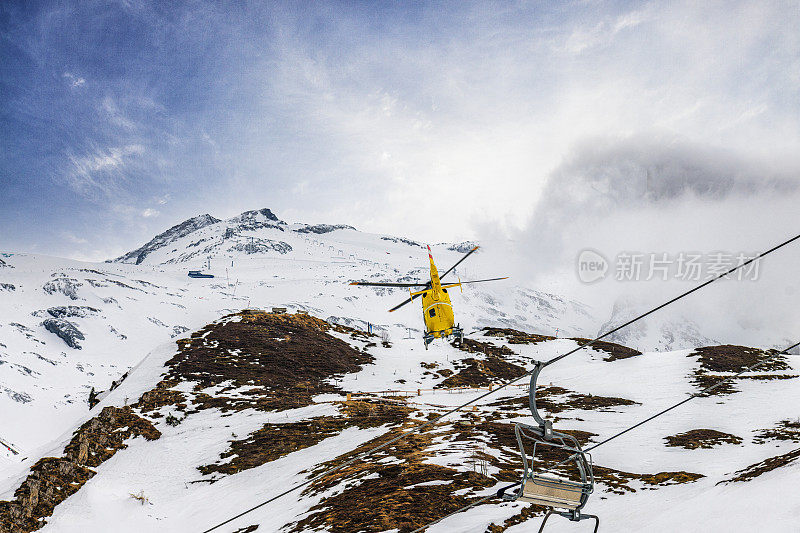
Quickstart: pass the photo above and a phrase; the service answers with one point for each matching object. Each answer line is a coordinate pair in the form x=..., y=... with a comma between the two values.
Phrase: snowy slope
x=125, y=311
x=165, y=471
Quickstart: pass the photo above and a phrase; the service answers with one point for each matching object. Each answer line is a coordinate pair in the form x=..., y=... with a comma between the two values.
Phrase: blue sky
x=437, y=120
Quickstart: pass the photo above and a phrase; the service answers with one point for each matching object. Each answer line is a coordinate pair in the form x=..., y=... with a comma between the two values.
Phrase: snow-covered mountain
x=174, y=233
x=200, y=401
x=662, y=332
x=67, y=326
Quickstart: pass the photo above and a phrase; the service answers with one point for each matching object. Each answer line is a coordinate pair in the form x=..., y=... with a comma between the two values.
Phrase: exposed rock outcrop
x=257, y=219
x=64, y=285
x=260, y=246
x=53, y=479
x=462, y=247
x=77, y=311
x=401, y=240
x=323, y=228
x=66, y=330
x=19, y=397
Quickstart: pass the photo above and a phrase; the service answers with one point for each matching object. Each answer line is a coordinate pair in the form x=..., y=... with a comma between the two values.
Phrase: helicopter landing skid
x=457, y=334
x=428, y=338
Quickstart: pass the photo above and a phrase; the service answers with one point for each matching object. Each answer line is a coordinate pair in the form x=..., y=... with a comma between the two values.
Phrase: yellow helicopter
x=437, y=310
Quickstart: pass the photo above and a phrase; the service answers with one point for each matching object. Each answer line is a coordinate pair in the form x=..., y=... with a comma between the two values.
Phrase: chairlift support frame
x=552, y=492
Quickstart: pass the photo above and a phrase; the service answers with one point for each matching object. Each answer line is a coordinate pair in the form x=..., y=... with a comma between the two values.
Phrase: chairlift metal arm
x=544, y=424
x=571, y=516
x=547, y=432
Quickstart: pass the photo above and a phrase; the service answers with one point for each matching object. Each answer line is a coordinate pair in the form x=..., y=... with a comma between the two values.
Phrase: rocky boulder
x=66, y=330
x=260, y=246
x=78, y=311
x=323, y=228
x=66, y=286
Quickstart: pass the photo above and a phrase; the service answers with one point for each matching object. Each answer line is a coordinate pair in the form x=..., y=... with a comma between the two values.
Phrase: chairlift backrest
x=551, y=490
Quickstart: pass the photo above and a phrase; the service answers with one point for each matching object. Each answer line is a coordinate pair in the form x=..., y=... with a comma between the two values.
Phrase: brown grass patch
x=502, y=437
x=267, y=350
x=377, y=496
x=481, y=373
x=767, y=465
x=701, y=438
x=731, y=358
x=554, y=399
x=787, y=430
x=487, y=348
x=614, y=351
x=524, y=515
x=274, y=441
x=515, y=336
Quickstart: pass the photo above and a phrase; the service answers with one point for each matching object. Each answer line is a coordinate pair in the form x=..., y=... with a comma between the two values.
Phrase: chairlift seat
x=552, y=492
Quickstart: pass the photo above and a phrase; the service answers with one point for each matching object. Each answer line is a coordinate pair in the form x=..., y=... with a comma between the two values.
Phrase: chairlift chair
x=564, y=497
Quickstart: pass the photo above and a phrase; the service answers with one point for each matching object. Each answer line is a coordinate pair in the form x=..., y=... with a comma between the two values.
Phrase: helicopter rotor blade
x=408, y=300
x=378, y=284
x=458, y=262
x=482, y=280
x=404, y=302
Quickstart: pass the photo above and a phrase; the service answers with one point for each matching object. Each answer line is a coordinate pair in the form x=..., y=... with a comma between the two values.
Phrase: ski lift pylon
x=563, y=496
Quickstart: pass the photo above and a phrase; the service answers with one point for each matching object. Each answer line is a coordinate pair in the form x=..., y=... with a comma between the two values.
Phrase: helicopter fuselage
x=437, y=311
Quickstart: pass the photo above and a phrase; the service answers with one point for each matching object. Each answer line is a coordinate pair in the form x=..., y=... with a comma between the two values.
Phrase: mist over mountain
x=658, y=198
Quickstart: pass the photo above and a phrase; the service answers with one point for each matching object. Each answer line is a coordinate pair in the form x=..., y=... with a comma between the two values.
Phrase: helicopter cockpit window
x=445, y=291
x=432, y=311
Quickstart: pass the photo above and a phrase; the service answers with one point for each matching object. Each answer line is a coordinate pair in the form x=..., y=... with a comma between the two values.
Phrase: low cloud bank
x=662, y=202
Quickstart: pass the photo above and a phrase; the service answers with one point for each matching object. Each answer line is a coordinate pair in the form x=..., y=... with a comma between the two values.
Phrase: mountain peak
x=175, y=232
x=260, y=215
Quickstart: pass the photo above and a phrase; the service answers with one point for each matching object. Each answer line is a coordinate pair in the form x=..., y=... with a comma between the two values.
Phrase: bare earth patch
x=767, y=465
x=786, y=430
x=715, y=361
x=701, y=438
x=614, y=351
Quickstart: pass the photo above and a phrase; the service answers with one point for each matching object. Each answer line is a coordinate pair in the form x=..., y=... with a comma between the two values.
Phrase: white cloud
x=149, y=212
x=114, y=115
x=653, y=196
x=96, y=173
x=74, y=81
x=476, y=117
